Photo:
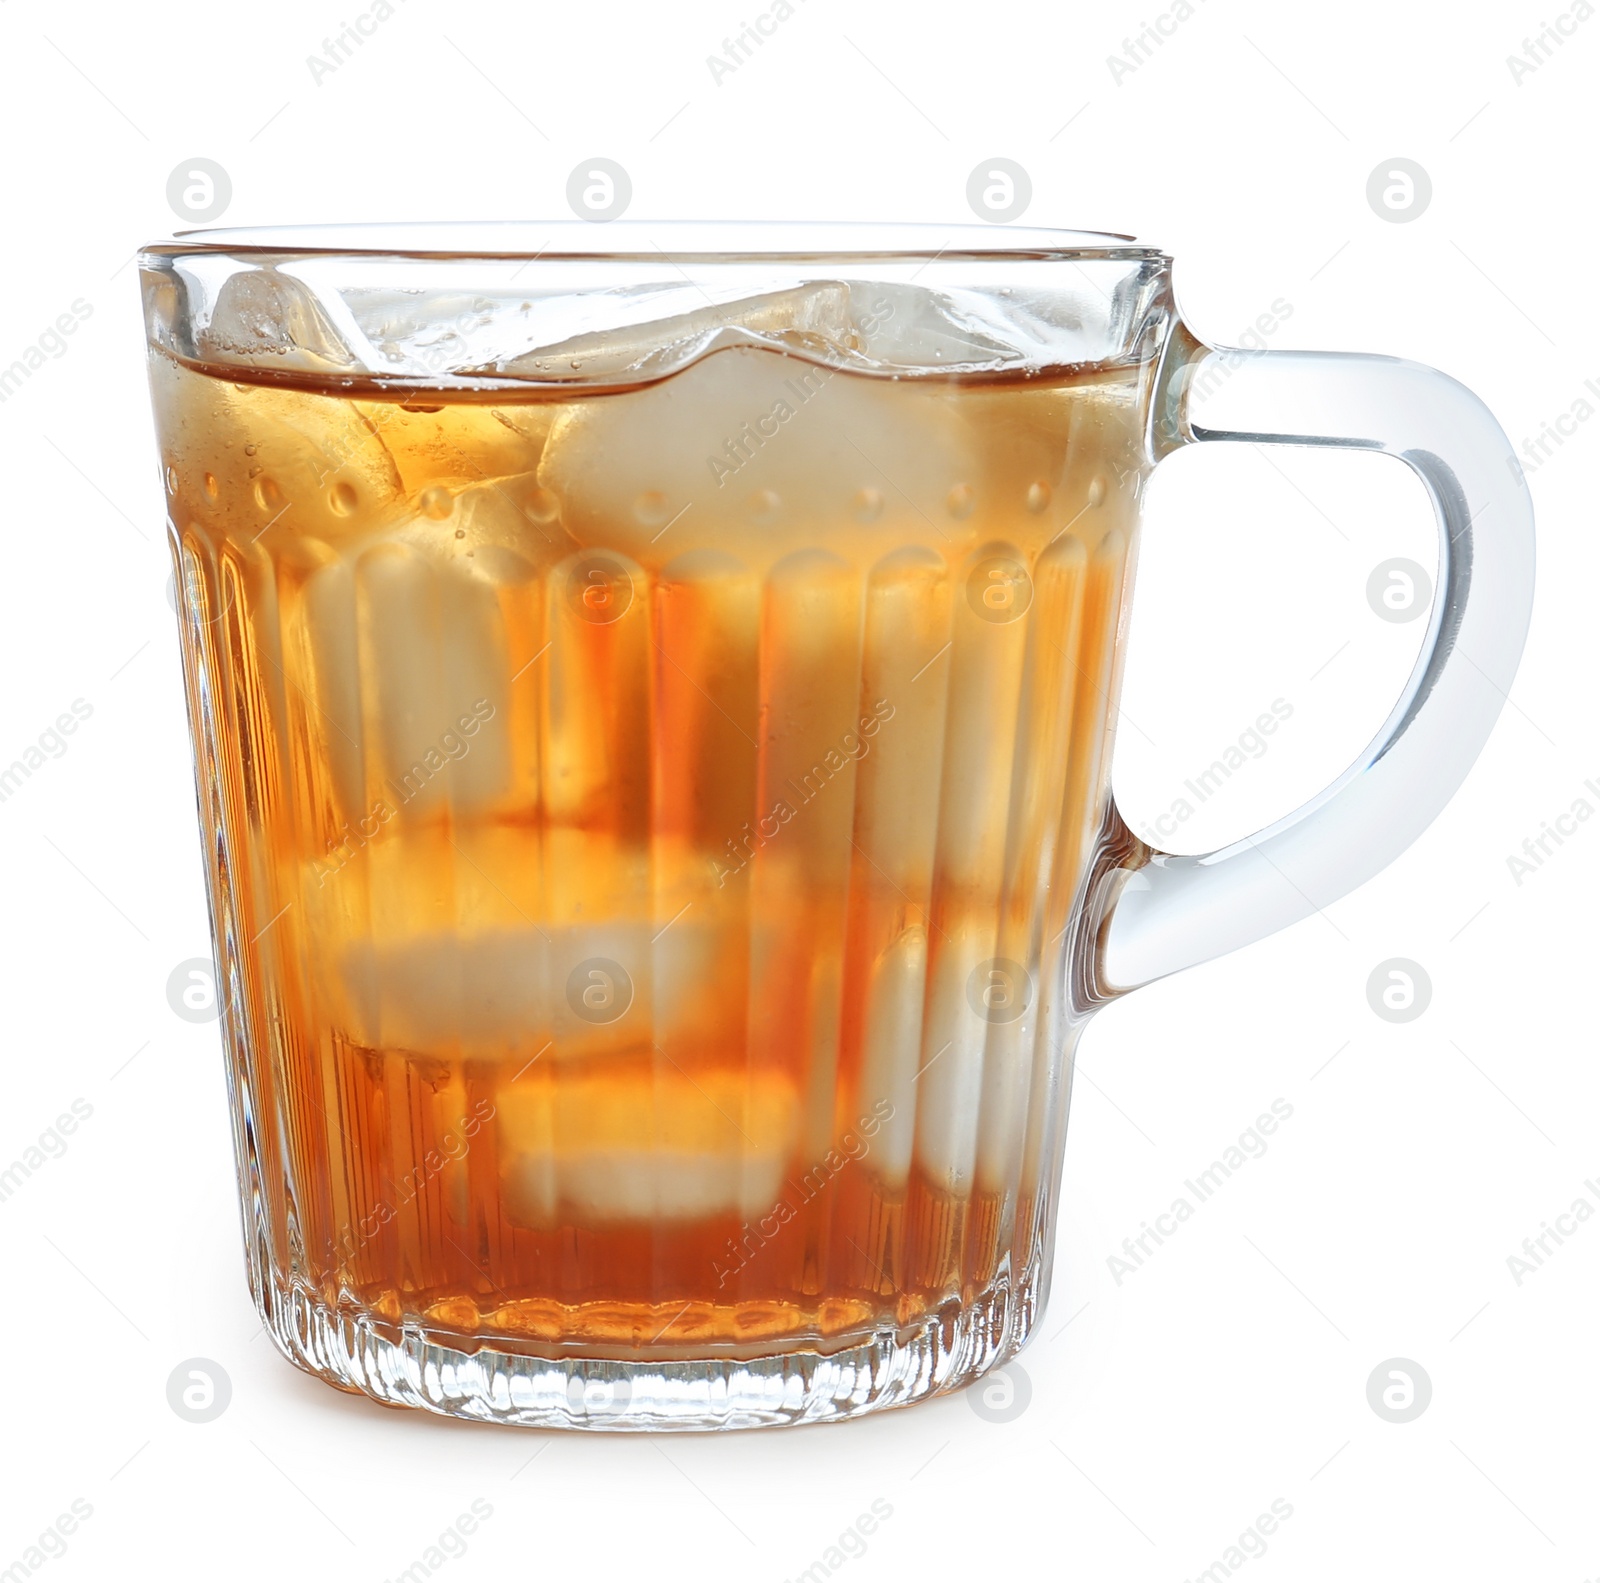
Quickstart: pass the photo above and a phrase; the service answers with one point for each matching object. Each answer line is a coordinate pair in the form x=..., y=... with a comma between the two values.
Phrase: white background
x=1162, y=1414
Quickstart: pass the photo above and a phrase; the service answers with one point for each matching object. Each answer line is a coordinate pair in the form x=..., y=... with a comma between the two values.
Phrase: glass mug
x=652, y=692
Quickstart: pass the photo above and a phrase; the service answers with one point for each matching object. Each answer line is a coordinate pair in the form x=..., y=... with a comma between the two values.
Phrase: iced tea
x=653, y=819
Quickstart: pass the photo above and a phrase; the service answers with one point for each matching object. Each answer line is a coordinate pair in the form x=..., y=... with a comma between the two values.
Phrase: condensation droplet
x=960, y=501
x=868, y=504
x=541, y=505
x=436, y=502
x=651, y=508
x=210, y=482
x=1097, y=489
x=461, y=533
x=342, y=500
x=250, y=450
x=1038, y=496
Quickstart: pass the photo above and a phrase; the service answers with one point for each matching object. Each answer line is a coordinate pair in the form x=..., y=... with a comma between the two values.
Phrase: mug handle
x=1164, y=913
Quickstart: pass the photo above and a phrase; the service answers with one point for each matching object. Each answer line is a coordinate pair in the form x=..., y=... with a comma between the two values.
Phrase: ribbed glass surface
x=645, y=833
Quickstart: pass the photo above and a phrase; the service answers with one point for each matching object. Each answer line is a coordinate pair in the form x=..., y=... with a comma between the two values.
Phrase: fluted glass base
x=411, y=1366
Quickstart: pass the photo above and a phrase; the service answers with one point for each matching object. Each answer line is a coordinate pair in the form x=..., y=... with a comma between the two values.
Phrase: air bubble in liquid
x=868, y=505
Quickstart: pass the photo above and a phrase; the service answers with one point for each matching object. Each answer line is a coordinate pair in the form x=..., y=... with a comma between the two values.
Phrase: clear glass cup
x=652, y=694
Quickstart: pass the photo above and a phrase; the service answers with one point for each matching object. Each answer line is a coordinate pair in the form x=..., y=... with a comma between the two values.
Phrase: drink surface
x=646, y=827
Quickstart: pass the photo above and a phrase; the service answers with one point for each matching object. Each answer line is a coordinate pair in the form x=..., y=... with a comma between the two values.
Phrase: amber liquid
x=645, y=829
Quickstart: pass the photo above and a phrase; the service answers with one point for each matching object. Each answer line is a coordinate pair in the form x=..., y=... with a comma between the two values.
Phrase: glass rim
x=713, y=241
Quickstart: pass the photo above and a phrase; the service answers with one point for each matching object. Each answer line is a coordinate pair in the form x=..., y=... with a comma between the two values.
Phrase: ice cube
x=636, y=342
x=492, y=992
x=322, y=635
x=406, y=658
x=432, y=660
x=458, y=444
x=275, y=466
x=891, y=1050
x=268, y=317
x=750, y=449
x=645, y=1145
x=621, y=329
